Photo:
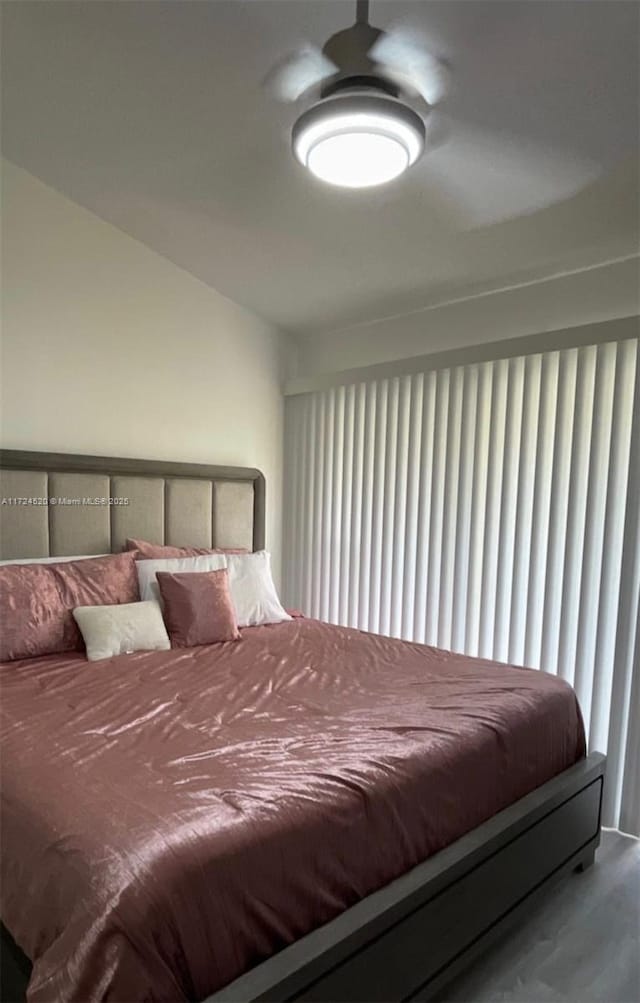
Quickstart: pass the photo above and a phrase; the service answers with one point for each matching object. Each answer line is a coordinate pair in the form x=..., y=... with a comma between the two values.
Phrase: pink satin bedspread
x=170, y=819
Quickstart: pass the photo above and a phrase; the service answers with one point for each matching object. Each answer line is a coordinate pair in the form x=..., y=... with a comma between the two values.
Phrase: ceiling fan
x=371, y=93
x=367, y=115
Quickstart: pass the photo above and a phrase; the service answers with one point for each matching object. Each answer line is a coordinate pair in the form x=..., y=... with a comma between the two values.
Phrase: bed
x=313, y=813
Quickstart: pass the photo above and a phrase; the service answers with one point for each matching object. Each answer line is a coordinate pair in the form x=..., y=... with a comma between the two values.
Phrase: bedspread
x=170, y=819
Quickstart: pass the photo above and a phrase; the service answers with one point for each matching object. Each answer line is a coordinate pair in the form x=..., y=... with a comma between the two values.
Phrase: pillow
x=36, y=601
x=252, y=589
x=51, y=560
x=147, y=570
x=155, y=551
x=198, y=607
x=120, y=630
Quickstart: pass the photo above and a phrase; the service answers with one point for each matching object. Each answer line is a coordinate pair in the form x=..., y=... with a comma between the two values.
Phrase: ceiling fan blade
x=296, y=73
x=494, y=178
x=405, y=59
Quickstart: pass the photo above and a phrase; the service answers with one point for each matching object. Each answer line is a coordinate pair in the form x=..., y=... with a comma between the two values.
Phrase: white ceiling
x=153, y=115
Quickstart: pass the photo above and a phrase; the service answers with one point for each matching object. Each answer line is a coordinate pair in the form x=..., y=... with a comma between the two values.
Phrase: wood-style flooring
x=580, y=945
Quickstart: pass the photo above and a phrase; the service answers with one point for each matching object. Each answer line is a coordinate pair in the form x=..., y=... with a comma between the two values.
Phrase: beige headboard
x=59, y=504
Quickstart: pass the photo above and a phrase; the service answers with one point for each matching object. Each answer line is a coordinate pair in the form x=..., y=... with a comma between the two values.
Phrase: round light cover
x=358, y=140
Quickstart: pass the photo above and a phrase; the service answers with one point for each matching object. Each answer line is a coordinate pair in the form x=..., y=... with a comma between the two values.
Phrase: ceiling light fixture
x=358, y=140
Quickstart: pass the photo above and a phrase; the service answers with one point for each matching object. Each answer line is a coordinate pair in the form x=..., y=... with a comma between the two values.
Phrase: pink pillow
x=198, y=607
x=158, y=551
x=36, y=601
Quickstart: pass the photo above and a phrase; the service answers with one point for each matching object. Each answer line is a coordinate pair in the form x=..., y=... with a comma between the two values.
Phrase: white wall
x=590, y=296
x=108, y=348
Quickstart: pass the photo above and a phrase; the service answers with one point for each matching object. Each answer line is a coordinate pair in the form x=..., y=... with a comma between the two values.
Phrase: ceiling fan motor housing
x=362, y=82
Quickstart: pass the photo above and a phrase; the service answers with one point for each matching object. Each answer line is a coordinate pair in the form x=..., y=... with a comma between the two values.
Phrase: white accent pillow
x=252, y=589
x=121, y=629
x=175, y=565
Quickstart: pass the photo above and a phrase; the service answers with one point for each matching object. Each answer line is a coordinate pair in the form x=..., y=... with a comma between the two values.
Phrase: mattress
x=171, y=819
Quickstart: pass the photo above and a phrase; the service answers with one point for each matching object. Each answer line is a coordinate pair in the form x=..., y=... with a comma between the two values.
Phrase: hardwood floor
x=580, y=945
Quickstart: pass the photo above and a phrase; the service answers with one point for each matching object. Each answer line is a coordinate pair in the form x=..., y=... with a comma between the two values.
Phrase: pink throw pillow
x=36, y=601
x=197, y=607
x=158, y=551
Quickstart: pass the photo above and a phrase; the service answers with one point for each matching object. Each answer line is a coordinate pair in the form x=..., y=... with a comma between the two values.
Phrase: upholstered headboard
x=59, y=504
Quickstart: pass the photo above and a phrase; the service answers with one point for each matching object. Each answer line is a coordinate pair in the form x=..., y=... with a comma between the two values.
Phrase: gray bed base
x=406, y=941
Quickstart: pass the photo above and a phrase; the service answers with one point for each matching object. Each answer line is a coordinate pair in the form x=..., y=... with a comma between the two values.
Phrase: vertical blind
x=491, y=509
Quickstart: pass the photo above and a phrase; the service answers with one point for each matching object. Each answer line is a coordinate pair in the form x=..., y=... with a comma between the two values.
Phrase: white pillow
x=252, y=590
x=147, y=582
x=51, y=560
x=121, y=629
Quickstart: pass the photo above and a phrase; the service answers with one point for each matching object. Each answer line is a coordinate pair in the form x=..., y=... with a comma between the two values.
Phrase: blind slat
x=479, y=488
x=437, y=506
x=540, y=526
x=508, y=508
x=495, y=475
x=422, y=544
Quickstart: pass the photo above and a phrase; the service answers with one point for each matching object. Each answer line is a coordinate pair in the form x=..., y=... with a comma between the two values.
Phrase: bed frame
x=61, y=504
x=407, y=940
